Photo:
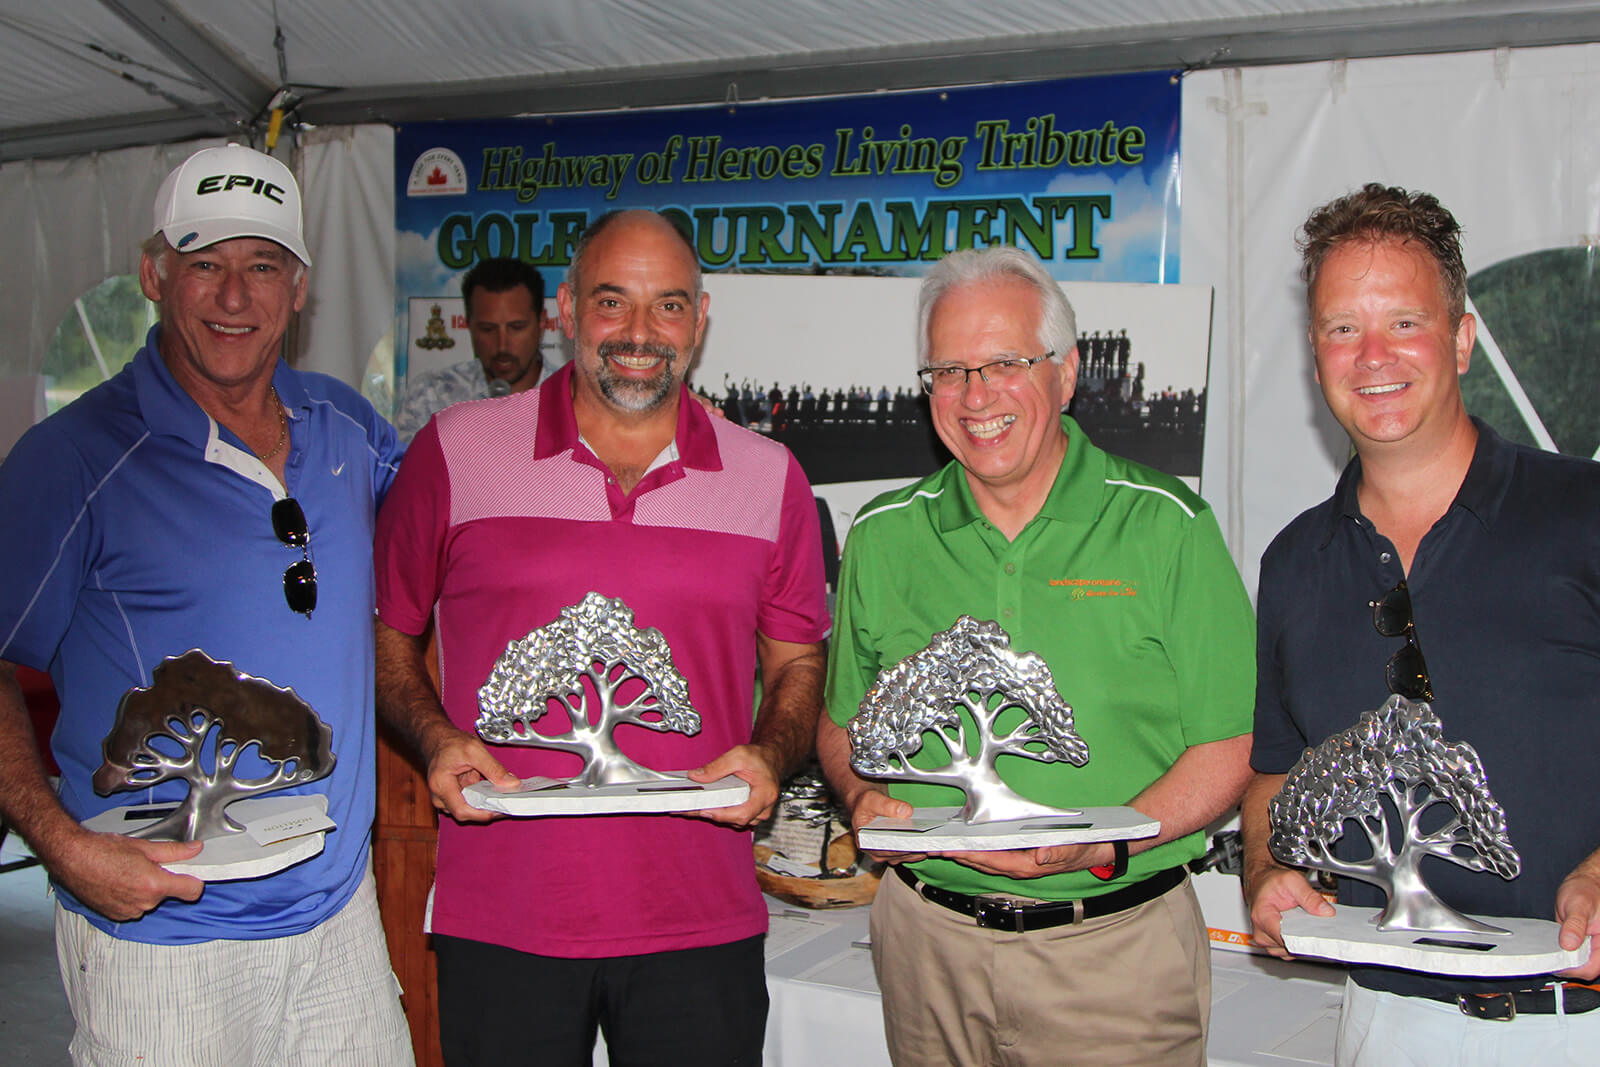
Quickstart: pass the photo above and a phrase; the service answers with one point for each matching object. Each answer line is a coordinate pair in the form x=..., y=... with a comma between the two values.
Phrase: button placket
x=1008, y=585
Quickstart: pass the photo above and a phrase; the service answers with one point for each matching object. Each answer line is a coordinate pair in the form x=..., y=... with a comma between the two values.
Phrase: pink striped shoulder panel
x=489, y=446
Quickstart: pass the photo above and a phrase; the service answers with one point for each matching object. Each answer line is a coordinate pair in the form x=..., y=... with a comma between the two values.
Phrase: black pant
x=499, y=1007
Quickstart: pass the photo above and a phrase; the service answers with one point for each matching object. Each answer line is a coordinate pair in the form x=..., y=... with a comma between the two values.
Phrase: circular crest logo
x=437, y=172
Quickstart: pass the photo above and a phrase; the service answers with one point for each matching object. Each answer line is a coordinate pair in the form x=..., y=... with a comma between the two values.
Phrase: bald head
x=632, y=219
x=633, y=306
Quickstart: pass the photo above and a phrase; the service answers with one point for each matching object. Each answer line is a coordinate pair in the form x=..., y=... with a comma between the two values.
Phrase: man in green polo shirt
x=1117, y=575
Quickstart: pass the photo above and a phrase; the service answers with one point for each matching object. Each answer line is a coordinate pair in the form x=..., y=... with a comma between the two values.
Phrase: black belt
x=1503, y=1007
x=1003, y=913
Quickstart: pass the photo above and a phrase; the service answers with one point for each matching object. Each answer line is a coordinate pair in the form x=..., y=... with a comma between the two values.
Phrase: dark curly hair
x=1387, y=212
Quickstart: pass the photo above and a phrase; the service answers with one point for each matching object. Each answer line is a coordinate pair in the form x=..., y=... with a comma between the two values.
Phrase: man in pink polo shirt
x=505, y=511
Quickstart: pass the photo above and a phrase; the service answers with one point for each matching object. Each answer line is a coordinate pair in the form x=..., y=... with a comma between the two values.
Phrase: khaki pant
x=1131, y=988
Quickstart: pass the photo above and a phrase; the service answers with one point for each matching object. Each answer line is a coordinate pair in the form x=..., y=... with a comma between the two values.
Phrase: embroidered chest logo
x=1096, y=588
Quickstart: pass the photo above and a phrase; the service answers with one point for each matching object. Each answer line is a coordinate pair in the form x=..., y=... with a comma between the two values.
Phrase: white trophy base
x=1351, y=937
x=555, y=796
x=938, y=830
x=233, y=857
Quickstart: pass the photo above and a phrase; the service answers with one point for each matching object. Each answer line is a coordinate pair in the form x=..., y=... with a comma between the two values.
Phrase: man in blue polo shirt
x=207, y=497
x=1487, y=554
x=1104, y=956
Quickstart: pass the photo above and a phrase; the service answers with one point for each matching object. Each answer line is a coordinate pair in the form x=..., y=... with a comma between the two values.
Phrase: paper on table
x=850, y=968
x=791, y=928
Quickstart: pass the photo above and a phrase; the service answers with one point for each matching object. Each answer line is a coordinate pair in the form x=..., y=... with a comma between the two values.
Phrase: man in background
x=505, y=320
x=1486, y=555
x=207, y=497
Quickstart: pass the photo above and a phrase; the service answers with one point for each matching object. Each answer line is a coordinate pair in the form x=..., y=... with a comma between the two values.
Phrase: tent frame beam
x=242, y=91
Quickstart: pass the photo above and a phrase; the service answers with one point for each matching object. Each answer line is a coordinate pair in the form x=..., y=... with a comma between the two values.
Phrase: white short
x=324, y=997
x=1387, y=1030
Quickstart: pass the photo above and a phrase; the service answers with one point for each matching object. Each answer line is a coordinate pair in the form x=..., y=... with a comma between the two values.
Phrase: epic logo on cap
x=221, y=183
x=218, y=194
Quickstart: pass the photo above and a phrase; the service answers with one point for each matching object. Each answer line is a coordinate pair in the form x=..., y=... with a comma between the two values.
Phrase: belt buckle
x=998, y=913
x=1490, y=1007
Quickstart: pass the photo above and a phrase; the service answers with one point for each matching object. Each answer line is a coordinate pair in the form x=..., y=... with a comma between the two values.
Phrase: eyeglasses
x=1407, y=672
x=300, y=580
x=1001, y=373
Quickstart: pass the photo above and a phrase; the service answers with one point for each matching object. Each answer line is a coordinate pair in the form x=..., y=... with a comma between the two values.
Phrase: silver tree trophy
x=1396, y=754
x=232, y=738
x=969, y=667
x=955, y=692
x=1393, y=780
x=604, y=673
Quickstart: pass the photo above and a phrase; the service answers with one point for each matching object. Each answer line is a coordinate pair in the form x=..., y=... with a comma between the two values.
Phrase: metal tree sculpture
x=1396, y=753
x=968, y=668
x=590, y=646
x=210, y=715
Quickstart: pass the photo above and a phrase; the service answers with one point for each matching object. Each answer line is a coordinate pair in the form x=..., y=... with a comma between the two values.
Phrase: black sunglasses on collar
x=300, y=580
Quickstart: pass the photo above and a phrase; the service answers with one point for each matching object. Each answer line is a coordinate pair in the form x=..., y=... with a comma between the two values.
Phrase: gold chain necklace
x=283, y=428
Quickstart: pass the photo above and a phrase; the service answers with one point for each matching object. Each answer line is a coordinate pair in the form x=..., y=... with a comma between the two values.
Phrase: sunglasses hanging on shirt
x=300, y=580
x=1407, y=672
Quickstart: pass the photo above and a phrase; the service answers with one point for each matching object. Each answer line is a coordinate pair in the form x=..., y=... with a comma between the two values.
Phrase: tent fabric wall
x=72, y=223
x=1503, y=138
x=347, y=175
x=80, y=220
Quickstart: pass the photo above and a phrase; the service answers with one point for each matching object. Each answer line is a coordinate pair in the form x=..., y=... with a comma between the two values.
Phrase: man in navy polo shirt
x=1498, y=547
x=143, y=525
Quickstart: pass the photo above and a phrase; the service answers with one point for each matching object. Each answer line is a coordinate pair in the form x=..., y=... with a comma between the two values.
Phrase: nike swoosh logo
x=339, y=469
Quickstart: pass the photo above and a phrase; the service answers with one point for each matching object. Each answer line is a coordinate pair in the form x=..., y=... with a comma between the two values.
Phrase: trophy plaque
x=204, y=723
x=957, y=690
x=1380, y=778
x=602, y=673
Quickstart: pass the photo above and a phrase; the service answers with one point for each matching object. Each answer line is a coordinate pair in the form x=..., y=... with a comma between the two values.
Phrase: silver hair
x=156, y=246
x=1058, y=324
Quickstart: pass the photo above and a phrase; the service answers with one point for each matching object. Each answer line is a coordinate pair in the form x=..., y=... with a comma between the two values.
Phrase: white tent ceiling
x=86, y=75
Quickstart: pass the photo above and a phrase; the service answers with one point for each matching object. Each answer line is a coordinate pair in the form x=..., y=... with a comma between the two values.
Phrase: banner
x=814, y=220
x=1083, y=172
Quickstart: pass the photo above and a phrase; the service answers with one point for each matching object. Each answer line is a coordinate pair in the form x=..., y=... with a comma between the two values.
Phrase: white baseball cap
x=220, y=193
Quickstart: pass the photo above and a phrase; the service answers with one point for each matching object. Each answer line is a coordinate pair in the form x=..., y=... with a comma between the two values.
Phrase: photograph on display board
x=827, y=366
x=850, y=343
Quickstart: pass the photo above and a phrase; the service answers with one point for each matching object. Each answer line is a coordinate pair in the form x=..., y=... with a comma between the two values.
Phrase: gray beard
x=630, y=394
